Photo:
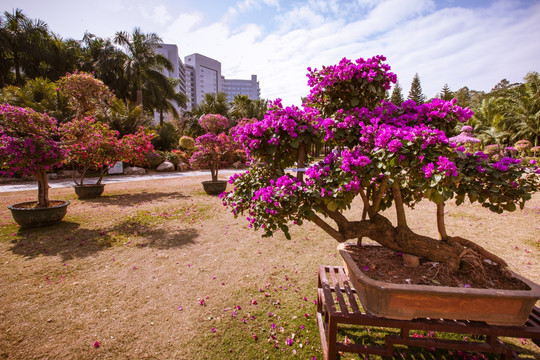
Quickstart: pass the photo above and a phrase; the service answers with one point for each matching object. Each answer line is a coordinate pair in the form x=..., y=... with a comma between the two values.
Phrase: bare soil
x=386, y=265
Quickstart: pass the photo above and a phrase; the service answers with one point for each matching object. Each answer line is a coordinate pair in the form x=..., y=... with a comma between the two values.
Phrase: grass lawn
x=159, y=270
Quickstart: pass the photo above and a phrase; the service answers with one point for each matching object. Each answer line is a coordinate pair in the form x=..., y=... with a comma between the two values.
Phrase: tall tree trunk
x=139, y=97
x=43, y=188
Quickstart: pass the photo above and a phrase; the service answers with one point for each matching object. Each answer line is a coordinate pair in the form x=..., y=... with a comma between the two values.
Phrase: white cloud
x=473, y=47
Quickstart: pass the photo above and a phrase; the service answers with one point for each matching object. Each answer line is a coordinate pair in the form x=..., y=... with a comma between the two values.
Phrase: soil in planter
x=33, y=205
x=383, y=264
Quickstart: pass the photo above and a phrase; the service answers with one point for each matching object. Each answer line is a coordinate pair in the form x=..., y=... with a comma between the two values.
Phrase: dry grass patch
x=130, y=271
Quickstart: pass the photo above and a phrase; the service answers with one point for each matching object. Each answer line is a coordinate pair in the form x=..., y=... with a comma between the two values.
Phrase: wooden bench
x=337, y=304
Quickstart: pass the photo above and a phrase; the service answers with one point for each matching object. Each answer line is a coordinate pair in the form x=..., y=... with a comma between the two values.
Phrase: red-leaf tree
x=93, y=145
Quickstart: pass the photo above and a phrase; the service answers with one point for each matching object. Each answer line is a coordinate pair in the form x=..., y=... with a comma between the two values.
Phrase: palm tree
x=213, y=104
x=141, y=61
x=521, y=110
x=107, y=62
x=39, y=94
x=18, y=33
x=244, y=107
x=160, y=94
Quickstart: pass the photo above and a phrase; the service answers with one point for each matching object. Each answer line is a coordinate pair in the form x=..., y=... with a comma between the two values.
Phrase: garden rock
x=165, y=166
x=134, y=170
x=182, y=166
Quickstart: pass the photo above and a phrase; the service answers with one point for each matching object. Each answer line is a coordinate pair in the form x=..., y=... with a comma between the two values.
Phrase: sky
x=474, y=43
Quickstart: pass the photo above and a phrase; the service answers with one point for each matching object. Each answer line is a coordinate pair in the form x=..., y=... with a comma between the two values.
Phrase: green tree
x=39, y=94
x=397, y=95
x=103, y=58
x=415, y=93
x=161, y=95
x=141, y=62
x=521, y=110
x=446, y=93
x=244, y=107
x=19, y=35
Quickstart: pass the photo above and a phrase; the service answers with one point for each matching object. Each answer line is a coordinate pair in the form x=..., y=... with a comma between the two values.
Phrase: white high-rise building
x=203, y=75
x=235, y=87
x=199, y=75
x=170, y=51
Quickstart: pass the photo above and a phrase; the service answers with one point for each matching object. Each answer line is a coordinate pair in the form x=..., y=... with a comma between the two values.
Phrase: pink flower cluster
x=214, y=123
x=27, y=142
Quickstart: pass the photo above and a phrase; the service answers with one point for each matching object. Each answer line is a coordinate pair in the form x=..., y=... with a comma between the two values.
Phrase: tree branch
x=440, y=222
x=378, y=197
x=400, y=211
x=327, y=228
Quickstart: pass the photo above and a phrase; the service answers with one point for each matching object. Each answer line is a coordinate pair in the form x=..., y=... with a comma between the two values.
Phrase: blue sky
x=470, y=43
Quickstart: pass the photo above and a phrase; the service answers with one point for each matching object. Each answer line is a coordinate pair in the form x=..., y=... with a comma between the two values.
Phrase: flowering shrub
x=212, y=152
x=28, y=146
x=491, y=150
x=386, y=154
x=92, y=145
x=86, y=94
x=523, y=146
x=214, y=123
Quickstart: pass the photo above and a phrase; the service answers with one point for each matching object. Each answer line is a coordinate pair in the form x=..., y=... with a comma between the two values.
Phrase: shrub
x=186, y=142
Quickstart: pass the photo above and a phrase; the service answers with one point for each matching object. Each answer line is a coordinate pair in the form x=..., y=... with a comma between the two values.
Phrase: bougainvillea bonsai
x=213, y=147
x=91, y=145
x=29, y=146
x=386, y=154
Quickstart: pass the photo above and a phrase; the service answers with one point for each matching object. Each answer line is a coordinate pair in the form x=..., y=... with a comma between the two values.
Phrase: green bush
x=166, y=138
x=186, y=143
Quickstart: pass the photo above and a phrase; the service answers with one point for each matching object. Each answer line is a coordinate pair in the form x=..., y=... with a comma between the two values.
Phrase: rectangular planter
x=406, y=302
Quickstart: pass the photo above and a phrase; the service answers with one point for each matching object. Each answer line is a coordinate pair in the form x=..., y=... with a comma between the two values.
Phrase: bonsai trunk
x=400, y=238
x=43, y=189
x=214, y=171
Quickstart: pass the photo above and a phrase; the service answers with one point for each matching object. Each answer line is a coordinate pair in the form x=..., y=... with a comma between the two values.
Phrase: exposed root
x=480, y=250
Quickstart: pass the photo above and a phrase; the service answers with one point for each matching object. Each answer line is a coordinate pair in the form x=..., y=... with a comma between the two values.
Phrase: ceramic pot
x=26, y=215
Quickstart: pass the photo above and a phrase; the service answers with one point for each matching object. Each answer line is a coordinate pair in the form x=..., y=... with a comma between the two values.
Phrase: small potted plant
x=92, y=145
x=29, y=146
x=386, y=156
x=212, y=150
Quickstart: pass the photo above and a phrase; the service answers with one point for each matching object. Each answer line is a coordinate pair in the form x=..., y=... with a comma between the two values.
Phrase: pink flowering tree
x=387, y=155
x=212, y=148
x=29, y=146
x=92, y=145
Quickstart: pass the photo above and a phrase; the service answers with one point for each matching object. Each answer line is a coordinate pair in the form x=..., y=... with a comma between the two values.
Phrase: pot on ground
x=27, y=215
x=406, y=302
x=215, y=187
x=89, y=191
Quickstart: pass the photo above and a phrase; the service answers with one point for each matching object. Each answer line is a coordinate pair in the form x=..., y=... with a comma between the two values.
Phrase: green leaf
x=332, y=206
x=355, y=101
x=510, y=206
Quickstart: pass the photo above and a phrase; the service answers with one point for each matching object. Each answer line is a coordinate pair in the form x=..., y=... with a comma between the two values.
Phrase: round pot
x=89, y=191
x=27, y=216
x=215, y=187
